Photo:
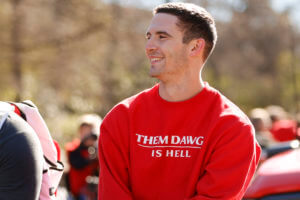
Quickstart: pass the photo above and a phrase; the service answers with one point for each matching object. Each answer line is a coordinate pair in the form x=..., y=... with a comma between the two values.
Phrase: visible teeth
x=155, y=59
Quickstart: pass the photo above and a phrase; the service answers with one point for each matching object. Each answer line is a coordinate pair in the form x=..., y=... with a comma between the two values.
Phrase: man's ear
x=197, y=47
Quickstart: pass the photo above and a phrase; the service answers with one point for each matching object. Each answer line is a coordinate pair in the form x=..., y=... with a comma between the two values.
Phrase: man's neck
x=180, y=90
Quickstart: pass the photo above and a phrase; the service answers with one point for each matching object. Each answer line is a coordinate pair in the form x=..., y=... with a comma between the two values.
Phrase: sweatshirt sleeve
x=114, y=158
x=231, y=165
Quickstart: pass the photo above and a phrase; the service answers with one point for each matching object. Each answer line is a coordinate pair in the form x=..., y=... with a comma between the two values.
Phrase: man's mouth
x=155, y=60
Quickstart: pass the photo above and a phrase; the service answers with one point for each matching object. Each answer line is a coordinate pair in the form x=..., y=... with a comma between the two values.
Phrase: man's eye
x=162, y=37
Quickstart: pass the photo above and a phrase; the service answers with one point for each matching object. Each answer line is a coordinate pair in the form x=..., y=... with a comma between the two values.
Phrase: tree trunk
x=16, y=57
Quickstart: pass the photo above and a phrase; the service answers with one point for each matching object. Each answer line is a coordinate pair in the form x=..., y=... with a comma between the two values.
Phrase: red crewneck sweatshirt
x=199, y=149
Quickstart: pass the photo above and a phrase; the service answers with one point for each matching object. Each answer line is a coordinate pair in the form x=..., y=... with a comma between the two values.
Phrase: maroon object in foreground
x=279, y=175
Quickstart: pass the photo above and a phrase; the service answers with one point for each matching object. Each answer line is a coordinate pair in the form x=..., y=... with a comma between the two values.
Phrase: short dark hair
x=194, y=21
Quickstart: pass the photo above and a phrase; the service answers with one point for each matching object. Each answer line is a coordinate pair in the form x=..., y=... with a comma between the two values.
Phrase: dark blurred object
x=279, y=148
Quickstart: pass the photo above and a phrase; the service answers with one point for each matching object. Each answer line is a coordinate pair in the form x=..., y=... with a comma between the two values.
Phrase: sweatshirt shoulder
x=129, y=104
x=230, y=121
x=226, y=109
x=141, y=97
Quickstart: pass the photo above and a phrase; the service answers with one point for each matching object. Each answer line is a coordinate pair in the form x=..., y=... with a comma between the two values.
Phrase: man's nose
x=150, y=45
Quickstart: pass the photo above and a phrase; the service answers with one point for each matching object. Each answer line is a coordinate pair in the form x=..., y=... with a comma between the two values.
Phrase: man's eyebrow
x=163, y=33
x=159, y=33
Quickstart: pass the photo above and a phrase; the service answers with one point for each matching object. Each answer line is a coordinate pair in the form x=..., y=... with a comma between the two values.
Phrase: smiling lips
x=155, y=59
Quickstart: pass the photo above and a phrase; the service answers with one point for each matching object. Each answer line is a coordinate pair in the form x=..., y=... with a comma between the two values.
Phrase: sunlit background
x=72, y=57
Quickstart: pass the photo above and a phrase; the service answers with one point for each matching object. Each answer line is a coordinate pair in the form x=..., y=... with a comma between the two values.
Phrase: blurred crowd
x=274, y=125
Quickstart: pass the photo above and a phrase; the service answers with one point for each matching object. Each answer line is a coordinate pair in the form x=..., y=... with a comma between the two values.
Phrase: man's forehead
x=163, y=22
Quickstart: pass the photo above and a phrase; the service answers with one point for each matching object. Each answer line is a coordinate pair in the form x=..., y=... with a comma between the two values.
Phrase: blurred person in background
x=276, y=113
x=283, y=128
x=82, y=156
x=261, y=121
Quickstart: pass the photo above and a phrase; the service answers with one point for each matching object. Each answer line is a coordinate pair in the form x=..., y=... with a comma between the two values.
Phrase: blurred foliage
x=72, y=57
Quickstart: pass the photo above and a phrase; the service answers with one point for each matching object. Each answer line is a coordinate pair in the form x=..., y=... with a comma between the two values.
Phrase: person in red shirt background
x=82, y=155
x=284, y=127
x=181, y=139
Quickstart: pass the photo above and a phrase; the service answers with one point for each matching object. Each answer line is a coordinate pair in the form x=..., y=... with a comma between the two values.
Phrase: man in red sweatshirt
x=181, y=139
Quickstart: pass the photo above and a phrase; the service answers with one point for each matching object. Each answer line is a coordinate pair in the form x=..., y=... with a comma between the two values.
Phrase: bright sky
x=278, y=5
x=294, y=5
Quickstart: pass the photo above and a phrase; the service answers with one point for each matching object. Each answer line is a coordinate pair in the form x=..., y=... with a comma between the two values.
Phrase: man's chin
x=155, y=71
x=153, y=74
